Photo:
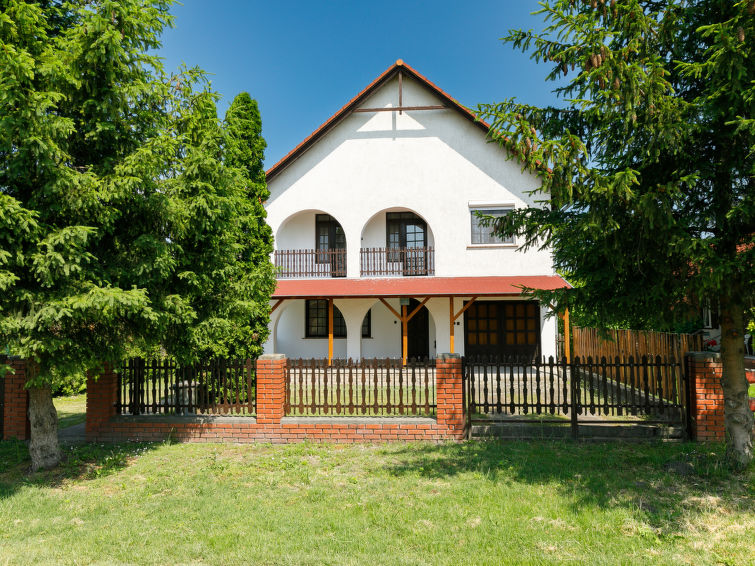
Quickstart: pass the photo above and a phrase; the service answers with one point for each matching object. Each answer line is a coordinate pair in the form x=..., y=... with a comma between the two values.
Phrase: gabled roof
x=354, y=103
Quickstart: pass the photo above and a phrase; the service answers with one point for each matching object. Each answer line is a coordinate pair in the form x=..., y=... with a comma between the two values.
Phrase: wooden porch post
x=453, y=316
x=404, y=318
x=404, y=333
x=330, y=330
x=567, y=336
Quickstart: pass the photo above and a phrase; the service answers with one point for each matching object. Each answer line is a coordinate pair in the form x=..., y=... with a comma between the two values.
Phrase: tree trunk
x=737, y=414
x=43, y=446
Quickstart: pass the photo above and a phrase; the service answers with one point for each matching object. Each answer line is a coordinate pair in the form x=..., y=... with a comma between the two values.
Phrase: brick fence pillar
x=16, y=400
x=271, y=388
x=102, y=394
x=706, y=396
x=450, y=395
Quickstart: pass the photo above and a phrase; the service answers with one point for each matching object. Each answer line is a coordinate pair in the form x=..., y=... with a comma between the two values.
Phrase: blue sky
x=303, y=60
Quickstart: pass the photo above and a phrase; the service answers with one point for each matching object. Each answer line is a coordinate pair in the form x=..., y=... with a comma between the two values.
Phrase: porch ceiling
x=415, y=286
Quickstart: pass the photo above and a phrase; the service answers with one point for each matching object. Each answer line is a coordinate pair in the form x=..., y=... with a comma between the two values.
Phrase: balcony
x=310, y=264
x=374, y=262
x=397, y=262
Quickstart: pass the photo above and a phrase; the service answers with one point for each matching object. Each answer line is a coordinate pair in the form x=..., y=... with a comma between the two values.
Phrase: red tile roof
x=416, y=286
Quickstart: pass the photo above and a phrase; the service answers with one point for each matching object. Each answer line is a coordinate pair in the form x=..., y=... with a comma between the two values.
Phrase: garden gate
x=622, y=397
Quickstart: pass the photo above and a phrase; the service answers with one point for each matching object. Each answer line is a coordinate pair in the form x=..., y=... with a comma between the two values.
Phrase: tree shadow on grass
x=80, y=462
x=661, y=481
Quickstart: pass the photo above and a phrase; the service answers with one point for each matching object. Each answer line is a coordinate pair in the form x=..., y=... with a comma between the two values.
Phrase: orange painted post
x=404, y=332
x=451, y=321
x=567, y=336
x=330, y=331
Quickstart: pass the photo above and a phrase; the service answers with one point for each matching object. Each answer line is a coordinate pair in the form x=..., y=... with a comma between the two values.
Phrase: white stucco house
x=378, y=248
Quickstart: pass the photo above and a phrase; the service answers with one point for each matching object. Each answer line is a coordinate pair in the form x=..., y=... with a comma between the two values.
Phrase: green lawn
x=751, y=390
x=71, y=410
x=472, y=503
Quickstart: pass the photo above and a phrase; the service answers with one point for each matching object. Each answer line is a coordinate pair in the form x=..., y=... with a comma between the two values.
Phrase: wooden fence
x=408, y=262
x=651, y=387
x=310, y=263
x=620, y=344
x=367, y=387
x=160, y=386
x=637, y=343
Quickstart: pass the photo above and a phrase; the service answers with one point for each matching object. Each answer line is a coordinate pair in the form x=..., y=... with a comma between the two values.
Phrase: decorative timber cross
x=401, y=108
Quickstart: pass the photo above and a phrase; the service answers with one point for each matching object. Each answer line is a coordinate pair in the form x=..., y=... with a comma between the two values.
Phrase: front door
x=418, y=332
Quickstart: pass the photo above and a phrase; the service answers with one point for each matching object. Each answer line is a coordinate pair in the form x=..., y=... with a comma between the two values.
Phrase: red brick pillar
x=16, y=400
x=449, y=392
x=271, y=388
x=102, y=394
x=706, y=396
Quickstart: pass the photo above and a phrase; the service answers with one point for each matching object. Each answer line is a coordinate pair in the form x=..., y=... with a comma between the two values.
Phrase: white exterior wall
x=435, y=163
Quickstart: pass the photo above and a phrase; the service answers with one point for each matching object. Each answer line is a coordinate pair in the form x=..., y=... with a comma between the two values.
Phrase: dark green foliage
x=648, y=170
x=650, y=188
x=245, y=151
x=69, y=384
x=123, y=227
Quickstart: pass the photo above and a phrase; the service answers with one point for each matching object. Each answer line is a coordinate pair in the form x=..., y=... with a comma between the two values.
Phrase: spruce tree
x=647, y=168
x=120, y=223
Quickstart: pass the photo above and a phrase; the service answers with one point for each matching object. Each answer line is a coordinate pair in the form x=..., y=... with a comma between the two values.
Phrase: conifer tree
x=245, y=151
x=648, y=168
x=121, y=226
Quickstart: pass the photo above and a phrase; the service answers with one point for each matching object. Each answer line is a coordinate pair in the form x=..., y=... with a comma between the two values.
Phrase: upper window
x=484, y=234
x=405, y=230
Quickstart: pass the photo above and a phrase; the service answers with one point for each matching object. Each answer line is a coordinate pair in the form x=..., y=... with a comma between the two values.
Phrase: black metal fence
x=160, y=386
x=367, y=387
x=654, y=388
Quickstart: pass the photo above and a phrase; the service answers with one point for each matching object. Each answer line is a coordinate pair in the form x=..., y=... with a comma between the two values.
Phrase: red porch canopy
x=415, y=286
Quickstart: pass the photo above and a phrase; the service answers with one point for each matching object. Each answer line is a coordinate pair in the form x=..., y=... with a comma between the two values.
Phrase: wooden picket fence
x=161, y=386
x=652, y=387
x=374, y=387
x=636, y=343
x=668, y=347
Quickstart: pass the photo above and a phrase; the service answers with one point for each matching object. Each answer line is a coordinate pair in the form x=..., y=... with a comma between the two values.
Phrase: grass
x=751, y=390
x=71, y=410
x=421, y=503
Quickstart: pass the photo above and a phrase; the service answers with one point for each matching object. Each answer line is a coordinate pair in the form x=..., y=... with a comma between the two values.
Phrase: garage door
x=502, y=328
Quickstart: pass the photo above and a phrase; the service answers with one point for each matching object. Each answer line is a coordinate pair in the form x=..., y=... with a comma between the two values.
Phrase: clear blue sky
x=303, y=60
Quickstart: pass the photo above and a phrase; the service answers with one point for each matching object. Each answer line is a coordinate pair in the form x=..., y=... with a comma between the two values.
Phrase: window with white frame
x=484, y=234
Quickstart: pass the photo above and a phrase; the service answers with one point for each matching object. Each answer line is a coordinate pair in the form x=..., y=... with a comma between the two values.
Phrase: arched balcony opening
x=310, y=244
x=397, y=242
